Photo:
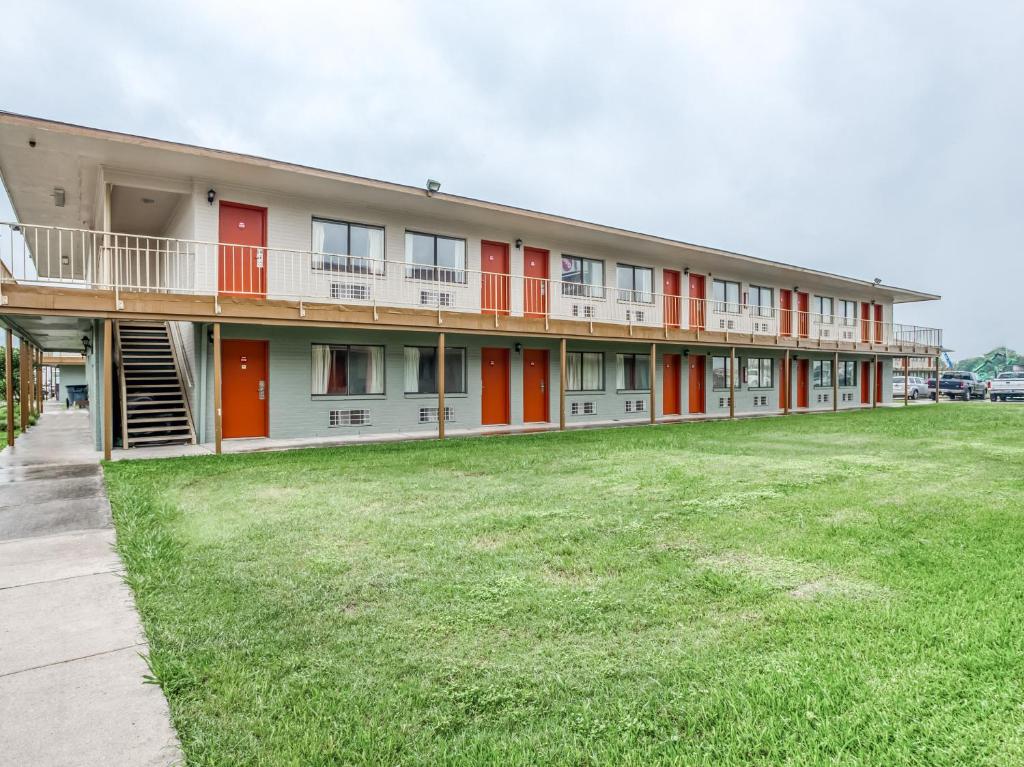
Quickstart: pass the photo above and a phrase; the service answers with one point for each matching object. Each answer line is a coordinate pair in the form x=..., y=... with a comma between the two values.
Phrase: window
x=636, y=284
x=761, y=301
x=821, y=372
x=759, y=372
x=421, y=370
x=343, y=247
x=633, y=372
x=848, y=311
x=721, y=368
x=582, y=277
x=584, y=371
x=848, y=373
x=347, y=370
x=726, y=295
x=435, y=257
x=823, y=308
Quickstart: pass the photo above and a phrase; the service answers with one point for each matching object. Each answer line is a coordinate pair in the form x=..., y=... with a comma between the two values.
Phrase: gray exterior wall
x=70, y=375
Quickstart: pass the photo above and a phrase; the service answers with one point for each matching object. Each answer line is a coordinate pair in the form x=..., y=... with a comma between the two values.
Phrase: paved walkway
x=71, y=666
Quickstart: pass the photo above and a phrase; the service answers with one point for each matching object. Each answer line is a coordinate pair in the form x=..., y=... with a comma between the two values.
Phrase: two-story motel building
x=221, y=295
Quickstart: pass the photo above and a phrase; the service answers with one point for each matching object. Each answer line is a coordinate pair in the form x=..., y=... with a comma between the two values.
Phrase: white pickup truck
x=1006, y=386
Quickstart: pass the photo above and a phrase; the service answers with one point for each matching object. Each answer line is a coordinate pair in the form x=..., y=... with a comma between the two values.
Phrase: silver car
x=916, y=387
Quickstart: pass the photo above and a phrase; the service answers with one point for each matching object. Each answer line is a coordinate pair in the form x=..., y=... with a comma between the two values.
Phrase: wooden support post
x=732, y=381
x=218, y=410
x=653, y=376
x=9, y=373
x=936, y=379
x=835, y=383
x=906, y=381
x=787, y=383
x=440, y=385
x=561, y=384
x=39, y=382
x=874, y=383
x=24, y=387
x=108, y=388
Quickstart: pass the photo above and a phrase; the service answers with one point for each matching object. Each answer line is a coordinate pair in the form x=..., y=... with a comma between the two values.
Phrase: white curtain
x=620, y=371
x=376, y=237
x=375, y=371
x=319, y=236
x=321, y=368
x=592, y=371
x=573, y=375
x=412, y=369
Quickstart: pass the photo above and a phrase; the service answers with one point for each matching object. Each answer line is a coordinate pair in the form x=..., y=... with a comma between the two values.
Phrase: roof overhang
x=76, y=158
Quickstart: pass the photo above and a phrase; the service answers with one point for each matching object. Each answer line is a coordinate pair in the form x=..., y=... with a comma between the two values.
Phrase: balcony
x=127, y=264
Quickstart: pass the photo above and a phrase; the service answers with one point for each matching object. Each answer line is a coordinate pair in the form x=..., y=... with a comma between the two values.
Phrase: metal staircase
x=154, y=408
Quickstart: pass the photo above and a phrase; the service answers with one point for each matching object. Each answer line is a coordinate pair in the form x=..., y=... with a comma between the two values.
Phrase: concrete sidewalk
x=72, y=688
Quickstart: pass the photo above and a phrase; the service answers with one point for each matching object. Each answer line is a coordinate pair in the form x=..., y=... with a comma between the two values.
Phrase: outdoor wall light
x=86, y=344
x=686, y=352
x=519, y=243
x=686, y=270
x=433, y=186
x=211, y=195
x=519, y=348
x=796, y=289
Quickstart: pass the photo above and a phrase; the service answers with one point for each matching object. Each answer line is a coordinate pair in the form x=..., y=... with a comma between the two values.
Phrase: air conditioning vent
x=724, y=401
x=583, y=408
x=436, y=298
x=634, y=315
x=350, y=291
x=429, y=414
x=583, y=310
x=349, y=418
x=726, y=324
x=825, y=333
x=636, y=405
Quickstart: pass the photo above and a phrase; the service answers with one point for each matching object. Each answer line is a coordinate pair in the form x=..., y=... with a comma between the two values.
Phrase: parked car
x=916, y=387
x=1006, y=386
x=958, y=384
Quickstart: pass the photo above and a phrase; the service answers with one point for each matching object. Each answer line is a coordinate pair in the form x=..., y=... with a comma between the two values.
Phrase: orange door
x=242, y=253
x=535, y=282
x=865, y=383
x=803, y=305
x=535, y=385
x=878, y=383
x=783, y=384
x=696, y=299
x=673, y=315
x=803, y=378
x=786, y=312
x=244, y=387
x=671, y=383
x=494, y=379
x=695, y=374
x=878, y=323
x=865, y=322
x=494, y=283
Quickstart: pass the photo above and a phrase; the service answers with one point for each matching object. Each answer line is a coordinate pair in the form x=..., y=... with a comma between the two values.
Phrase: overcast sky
x=875, y=139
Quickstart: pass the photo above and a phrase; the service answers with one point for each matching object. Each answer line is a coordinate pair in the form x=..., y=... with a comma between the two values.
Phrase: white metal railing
x=40, y=255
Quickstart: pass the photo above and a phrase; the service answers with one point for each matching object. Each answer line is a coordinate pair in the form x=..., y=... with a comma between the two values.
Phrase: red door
x=695, y=374
x=244, y=388
x=494, y=379
x=242, y=252
x=878, y=323
x=803, y=305
x=878, y=383
x=535, y=283
x=672, y=377
x=535, y=385
x=673, y=315
x=494, y=284
x=783, y=384
x=803, y=378
x=865, y=322
x=786, y=312
x=697, y=313
x=865, y=383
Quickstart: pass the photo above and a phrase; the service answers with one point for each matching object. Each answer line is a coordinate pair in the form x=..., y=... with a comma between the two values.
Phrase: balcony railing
x=38, y=255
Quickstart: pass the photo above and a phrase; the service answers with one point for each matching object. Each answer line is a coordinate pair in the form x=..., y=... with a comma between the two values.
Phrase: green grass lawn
x=831, y=589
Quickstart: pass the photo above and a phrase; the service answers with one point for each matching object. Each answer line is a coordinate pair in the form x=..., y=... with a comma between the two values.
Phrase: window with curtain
x=582, y=277
x=347, y=370
x=633, y=372
x=339, y=246
x=761, y=301
x=421, y=370
x=720, y=371
x=848, y=373
x=848, y=311
x=823, y=307
x=821, y=372
x=760, y=372
x=435, y=257
x=635, y=283
x=584, y=371
x=726, y=295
